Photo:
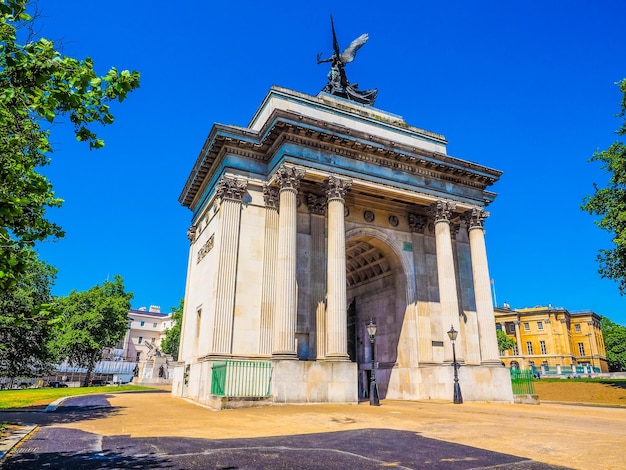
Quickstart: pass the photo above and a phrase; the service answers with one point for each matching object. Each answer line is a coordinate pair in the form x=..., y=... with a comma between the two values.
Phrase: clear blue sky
x=523, y=87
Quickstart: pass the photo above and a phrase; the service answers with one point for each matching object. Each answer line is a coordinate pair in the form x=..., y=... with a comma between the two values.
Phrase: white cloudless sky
x=524, y=87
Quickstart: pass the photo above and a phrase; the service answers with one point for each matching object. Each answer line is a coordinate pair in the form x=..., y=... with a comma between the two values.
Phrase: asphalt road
x=54, y=447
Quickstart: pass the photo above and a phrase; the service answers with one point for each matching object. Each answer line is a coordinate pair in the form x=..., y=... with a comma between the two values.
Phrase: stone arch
x=380, y=286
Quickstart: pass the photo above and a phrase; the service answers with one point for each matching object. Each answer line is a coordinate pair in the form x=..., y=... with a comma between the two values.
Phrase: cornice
x=284, y=126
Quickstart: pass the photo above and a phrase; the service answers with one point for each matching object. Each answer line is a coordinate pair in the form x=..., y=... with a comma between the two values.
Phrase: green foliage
x=504, y=342
x=91, y=321
x=615, y=345
x=171, y=342
x=26, y=321
x=37, y=85
x=610, y=204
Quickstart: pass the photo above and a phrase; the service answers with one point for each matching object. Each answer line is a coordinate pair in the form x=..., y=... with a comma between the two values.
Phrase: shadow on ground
x=360, y=449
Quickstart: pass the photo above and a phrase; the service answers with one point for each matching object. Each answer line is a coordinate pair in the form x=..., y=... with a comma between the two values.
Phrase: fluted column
x=230, y=190
x=448, y=295
x=336, y=311
x=317, y=208
x=423, y=335
x=268, y=293
x=285, y=313
x=482, y=288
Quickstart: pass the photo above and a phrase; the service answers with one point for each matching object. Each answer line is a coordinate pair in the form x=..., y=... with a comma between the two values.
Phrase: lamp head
x=371, y=329
x=452, y=334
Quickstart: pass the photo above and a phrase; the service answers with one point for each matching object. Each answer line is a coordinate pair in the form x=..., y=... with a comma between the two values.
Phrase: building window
x=152, y=340
x=154, y=325
x=577, y=327
x=542, y=345
x=140, y=340
x=540, y=326
x=515, y=350
x=529, y=347
x=499, y=327
x=142, y=323
x=581, y=349
x=510, y=328
x=526, y=326
x=138, y=357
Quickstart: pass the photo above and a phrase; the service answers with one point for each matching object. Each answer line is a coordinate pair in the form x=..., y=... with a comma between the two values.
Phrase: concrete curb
x=8, y=443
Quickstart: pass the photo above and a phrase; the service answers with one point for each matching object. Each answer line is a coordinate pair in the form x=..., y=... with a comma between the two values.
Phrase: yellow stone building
x=553, y=341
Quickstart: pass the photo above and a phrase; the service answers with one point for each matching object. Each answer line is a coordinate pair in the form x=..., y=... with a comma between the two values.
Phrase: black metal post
x=374, y=399
x=458, y=398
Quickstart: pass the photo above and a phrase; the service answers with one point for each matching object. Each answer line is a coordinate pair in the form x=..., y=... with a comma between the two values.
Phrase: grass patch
x=44, y=396
x=583, y=380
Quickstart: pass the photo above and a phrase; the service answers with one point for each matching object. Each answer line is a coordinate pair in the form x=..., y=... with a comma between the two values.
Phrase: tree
x=171, y=342
x=91, y=321
x=610, y=204
x=615, y=345
x=26, y=321
x=37, y=85
x=505, y=342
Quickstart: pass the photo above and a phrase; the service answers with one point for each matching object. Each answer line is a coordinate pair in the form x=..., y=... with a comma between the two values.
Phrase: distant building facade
x=552, y=340
x=146, y=330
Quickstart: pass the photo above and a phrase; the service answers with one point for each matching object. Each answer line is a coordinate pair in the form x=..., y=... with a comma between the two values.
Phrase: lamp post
x=371, y=331
x=458, y=398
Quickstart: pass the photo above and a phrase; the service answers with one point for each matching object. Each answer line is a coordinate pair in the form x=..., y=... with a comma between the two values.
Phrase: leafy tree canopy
x=505, y=342
x=615, y=344
x=171, y=342
x=26, y=321
x=38, y=84
x=91, y=321
x=610, y=204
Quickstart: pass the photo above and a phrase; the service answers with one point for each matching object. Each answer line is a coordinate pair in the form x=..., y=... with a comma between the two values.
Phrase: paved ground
x=154, y=430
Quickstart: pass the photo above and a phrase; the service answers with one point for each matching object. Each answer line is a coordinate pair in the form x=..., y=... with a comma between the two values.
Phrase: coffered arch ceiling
x=365, y=262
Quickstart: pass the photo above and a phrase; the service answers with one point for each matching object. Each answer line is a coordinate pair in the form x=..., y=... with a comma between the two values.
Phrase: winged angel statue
x=338, y=83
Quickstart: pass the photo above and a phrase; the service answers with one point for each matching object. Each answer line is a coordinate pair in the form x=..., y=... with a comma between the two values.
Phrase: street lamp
x=458, y=398
x=371, y=331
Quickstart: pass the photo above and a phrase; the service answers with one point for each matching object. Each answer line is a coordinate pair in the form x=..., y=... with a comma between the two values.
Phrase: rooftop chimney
x=155, y=308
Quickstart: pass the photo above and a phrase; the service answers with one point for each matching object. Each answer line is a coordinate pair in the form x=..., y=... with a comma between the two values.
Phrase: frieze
x=208, y=246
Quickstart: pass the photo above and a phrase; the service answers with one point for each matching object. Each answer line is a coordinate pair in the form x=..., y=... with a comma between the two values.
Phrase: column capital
x=191, y=233
x=442, y=210
x=288, y=177
x=316, y=204
x=417, y=223
x=336, y=187
x=476, y=217
x=270, y=195
x=231, y=188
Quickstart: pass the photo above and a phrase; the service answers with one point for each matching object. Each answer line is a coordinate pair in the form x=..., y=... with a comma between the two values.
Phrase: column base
x=337, y=357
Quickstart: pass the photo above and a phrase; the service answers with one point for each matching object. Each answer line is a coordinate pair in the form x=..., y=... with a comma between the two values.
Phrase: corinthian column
x=484, y=308
x=317, y=208
x=285, y=313
x=336, y=312
x=230, y=190
x=448, y=296
x=268, y=294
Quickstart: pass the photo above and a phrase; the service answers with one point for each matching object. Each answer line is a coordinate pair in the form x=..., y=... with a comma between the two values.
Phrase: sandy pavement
x=573, y=436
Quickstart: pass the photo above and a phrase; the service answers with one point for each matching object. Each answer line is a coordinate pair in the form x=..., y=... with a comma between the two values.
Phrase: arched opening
x=376, y=290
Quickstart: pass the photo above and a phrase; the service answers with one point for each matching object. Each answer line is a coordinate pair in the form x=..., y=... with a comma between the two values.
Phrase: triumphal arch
x=319, y=216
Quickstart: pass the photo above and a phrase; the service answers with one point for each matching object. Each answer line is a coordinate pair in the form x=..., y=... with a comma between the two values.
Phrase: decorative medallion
x=393, y=221
x=368, y=216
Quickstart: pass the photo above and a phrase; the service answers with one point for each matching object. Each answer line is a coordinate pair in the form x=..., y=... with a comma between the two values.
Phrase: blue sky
x=523, y=87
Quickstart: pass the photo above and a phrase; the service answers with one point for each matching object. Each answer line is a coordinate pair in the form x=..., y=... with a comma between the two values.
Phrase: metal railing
x=522, y=381
x=241, y=378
